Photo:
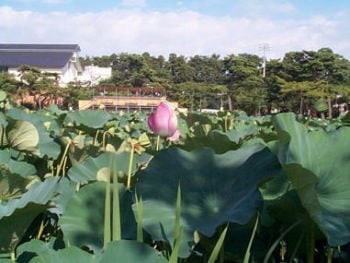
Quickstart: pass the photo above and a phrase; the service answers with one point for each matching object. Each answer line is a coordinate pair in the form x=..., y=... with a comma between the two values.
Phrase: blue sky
x=187, y=27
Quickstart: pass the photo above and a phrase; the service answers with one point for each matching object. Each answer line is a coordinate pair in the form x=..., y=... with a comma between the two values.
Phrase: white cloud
x=133, y=3
x=257, y=7
x=187, y=33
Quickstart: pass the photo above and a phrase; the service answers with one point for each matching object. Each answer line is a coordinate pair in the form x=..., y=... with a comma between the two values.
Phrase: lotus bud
x=163, y=122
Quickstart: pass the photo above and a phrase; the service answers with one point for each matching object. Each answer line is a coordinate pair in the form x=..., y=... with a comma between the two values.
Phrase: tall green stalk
x=277, y=241
x=61, y=165
x=139, y=215
x=177, y=228
x=247, y=253
x=131, y=160
x=116, y=208
x=158, y=143
x=310, y=241
x=215, y=253
x=107, y=221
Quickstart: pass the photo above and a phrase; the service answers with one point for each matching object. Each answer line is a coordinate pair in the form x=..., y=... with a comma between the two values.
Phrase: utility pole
x=264, y=48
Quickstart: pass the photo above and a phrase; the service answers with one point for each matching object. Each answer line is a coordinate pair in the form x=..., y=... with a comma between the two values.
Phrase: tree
x=8, y=83
x=319, y=71
x=42, y=87
x=207, y=69
x=245, y=84
x=180, y=71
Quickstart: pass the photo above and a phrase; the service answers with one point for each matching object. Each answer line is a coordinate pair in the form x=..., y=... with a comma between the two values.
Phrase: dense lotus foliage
x=94, y=186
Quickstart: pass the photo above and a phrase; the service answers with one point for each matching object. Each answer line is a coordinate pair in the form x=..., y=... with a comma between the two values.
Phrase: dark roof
x=39, y=55
x=40, y=47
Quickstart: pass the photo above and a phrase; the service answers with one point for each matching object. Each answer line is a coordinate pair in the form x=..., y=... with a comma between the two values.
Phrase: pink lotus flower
x=164, y=122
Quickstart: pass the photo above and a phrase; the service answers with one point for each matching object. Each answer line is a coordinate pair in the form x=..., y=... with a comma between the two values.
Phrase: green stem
x=104, y=140
x=275, y=244
x=62, y=159
x=41, y=230
x=218, y=246
x=310, y=241
x=329, y=254
x=95, y=139
x=247, y=253
x=158, y=143
x=13, y=256
x=139, y=213
x=107, y=219
x=64, y=165
x=131, y=159
x=116, y=208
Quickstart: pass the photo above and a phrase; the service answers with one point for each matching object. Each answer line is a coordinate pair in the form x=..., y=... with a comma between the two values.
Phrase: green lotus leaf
x=83, y=219
x=23, y=169
x=98, y=168
x=28, y=250
x=317, y=164
x=11, y=185
x=3, y=121
x=27, y=130
x=130, y=251
x=55, y=110
x=90, y=118
x=39, y=252
x=17, y=214
x=23, y=136
x=215, y=188
x=3, y=95
x=14, y=176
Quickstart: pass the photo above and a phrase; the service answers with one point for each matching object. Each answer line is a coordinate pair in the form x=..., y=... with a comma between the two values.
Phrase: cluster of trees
x=301, y=81
x=297, y=82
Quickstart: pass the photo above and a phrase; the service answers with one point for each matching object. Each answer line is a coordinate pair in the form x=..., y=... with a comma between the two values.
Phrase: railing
x=121, y=102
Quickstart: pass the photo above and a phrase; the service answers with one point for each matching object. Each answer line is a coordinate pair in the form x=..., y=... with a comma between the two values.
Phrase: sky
x=268, y=28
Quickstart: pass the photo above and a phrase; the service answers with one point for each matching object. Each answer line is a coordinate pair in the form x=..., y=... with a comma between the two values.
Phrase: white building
x=61, y=59
x=92, y=75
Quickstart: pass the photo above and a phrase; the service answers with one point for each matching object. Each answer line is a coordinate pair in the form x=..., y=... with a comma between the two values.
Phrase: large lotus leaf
x=27, y=133
x=318, y=165
x=39, y=252
x=215, y=188
x=14, y=176
x=129, y=251
x=17, y=214
x=90, y=118
x=53, y=108
x=3, y=95
x=3, y=121
x=217, y=140
x=83, y=219
x=65, y=191
x=26, y=251
x=98, y=168
x=23, y=169
x=51, y=122
x=23, y=136
x=224, y=141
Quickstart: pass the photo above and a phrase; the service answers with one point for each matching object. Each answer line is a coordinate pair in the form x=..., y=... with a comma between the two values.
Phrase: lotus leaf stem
x=131, y=159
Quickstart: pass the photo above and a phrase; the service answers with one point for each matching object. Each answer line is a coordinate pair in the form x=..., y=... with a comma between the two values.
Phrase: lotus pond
x=93, y=186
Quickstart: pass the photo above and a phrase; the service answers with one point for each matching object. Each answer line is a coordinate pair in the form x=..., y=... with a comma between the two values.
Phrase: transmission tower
x=264, y=48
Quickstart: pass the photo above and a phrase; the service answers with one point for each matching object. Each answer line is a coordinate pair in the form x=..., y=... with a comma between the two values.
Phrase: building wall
x=69, y=73
x=94, y=74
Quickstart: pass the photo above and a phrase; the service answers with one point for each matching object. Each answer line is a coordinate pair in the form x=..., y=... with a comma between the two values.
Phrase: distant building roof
x=39, y=55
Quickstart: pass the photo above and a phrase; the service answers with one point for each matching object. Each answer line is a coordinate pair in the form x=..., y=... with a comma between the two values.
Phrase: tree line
x=301, y=81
